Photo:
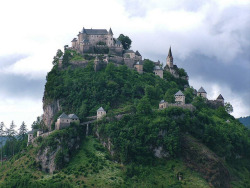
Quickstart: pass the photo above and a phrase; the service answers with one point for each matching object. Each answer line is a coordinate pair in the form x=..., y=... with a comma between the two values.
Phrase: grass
x=92, y=166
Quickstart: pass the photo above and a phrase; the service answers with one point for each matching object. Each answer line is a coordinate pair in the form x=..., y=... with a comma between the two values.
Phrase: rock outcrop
x=46, y=156
x=199, y=158
x=49, y=111
x=46, y=159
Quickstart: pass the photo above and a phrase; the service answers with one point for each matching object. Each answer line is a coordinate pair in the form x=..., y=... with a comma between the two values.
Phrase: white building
x=100, y=113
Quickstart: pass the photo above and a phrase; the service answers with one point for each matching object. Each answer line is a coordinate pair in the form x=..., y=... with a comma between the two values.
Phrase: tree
x=1, y=141
x=11, y=133
x=148, y=66
x=144, y=106
x=22, y=131
x=228, y=107
x=125, y=40
x=59, y=53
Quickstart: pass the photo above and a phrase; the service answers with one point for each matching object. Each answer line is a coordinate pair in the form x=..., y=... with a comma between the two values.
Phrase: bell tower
x=170, y=59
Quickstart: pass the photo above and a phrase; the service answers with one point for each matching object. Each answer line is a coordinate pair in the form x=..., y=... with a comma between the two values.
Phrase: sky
x=209, y=39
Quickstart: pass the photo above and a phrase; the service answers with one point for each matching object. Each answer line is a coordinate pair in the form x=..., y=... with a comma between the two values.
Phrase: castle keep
x=97, y=40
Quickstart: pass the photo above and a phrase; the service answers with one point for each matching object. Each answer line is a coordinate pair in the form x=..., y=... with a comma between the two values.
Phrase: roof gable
x=101, y=109
x=220, y=97
x=202, y=90
x=73, y=116
x=179, y=93
x=63, y=116
x=96, y=31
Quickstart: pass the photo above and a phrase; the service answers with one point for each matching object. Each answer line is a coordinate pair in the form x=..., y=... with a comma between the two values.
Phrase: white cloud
x=20, y=110
x=39, y=28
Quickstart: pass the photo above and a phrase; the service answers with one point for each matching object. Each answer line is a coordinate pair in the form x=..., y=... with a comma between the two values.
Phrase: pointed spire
x=110, y=31
x=83, y=30
x=170, y=52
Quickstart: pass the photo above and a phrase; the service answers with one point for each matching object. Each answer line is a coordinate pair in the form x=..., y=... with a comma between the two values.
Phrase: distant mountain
x=245, y=121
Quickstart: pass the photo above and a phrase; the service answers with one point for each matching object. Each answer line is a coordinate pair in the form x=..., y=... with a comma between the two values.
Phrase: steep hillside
x=145, y=147
x=92, y=166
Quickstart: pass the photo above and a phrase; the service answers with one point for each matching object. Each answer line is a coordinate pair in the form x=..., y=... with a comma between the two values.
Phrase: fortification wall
x=184, y=106
x=129, y=62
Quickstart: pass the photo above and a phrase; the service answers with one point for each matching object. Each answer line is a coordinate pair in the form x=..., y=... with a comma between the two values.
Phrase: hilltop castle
x=103, y=47
x=95, y=40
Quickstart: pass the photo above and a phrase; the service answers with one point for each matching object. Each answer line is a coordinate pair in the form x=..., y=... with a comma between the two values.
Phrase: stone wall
x=215, y=103
x=184, y=106
x=129, y=62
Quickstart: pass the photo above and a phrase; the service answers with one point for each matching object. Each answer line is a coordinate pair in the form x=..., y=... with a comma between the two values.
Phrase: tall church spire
x=170, y=59
x=110, y=31
x=170, y=52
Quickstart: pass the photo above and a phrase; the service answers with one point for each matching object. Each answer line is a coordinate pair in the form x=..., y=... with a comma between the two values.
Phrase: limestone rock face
x=46, y=157
x=199, y=158
x=49, y=111
x=47, y=160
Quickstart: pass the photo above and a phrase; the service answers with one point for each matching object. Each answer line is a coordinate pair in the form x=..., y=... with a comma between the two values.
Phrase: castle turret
x=158, y=71
x=100, y=113
x=201, y=92
x=179, y=97
x=170, y=59
x=220, y=99
x=74, y=43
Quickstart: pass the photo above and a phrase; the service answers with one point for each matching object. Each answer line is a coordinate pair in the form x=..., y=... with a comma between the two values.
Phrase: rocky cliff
x=63, y=142
x=50, y=109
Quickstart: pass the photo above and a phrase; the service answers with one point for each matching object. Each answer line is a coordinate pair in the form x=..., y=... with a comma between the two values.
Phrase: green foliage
x=189, y=96
x=101, y=43
x=148, y=66
x=228, y=107
x=135, y=136
x=101, y=50
x=59, y=159
x=182, y=72
x=82, y=91
x=125, y=40
x=59, y=53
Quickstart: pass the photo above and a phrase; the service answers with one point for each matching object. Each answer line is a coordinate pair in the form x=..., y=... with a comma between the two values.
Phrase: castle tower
x=100, y=113
x=179, y=97
x=139, y=67
x=74, y=43
x=220, y=99
x=110, y=41
x=201, y=92
x=170, y=59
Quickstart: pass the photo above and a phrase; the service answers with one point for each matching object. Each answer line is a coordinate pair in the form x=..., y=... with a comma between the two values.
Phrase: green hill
x=197, y=148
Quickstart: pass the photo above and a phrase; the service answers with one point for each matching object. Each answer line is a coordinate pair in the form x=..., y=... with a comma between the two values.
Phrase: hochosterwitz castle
x=103, y=47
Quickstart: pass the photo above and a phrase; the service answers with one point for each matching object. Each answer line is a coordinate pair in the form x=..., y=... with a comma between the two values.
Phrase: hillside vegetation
x=134, y=138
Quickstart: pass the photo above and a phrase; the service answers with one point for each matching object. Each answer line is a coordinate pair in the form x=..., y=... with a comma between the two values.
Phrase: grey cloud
x=139, y=8
x=17, y=86
x=8, y=60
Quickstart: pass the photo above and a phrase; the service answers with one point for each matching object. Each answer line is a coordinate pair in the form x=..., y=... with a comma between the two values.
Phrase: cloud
x=209, y=38
x=16, y=86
